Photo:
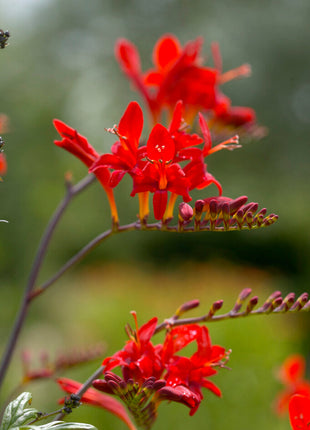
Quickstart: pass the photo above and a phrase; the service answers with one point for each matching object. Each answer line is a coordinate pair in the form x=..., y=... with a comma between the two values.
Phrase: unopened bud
x=185, y=212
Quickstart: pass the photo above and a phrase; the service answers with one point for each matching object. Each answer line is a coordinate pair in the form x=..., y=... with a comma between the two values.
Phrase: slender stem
x=71, y=192
x=84, y=387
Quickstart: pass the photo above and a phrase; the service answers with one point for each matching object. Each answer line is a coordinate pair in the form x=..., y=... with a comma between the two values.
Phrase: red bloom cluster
x=154, y=167
x=154, y=373
x=181, y=377
x=178, y=74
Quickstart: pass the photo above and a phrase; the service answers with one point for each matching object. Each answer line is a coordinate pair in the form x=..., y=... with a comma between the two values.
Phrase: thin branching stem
x=84, y=387
x=45, y=240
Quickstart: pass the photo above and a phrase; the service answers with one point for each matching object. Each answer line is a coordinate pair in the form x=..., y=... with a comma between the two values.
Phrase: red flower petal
x=131, y=125
x=159, y=204
x=160, y=146
x=206, y=134
x=176, y=117
x=166, y=51
x=299, y=410
x=127, y=56
x=75, y=143
x=94, y=398
x=146, y=331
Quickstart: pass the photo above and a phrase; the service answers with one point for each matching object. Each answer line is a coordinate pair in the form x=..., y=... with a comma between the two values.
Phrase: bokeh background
x=60, y=64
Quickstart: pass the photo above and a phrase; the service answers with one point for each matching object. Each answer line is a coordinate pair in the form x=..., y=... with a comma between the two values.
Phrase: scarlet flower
x=190, y=374
x=299, y=410
x=292, y=375
x=139, y=359
x=78, y=145
x=125, y=152
x=161, y=174
x=179, y=75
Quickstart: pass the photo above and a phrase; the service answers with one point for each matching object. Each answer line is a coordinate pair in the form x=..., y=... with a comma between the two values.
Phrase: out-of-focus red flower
x=93, y=397
x=3, y=164
x=178, y=74
x=192, y=373
x=292, y=376
x=79, y=146
x=299, y=410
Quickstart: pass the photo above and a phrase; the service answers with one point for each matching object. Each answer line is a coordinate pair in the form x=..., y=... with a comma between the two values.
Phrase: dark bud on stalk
x=4, y=36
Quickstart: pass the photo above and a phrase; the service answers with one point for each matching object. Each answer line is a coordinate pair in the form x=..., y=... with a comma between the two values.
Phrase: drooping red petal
x=128, y=57
x=75, y=143
x=131, y=125
x=166, y=51
x=160, y=146
x=159, y=204
x=299, y=410
x=238, y=115
x=95, y=398
x=212, y=387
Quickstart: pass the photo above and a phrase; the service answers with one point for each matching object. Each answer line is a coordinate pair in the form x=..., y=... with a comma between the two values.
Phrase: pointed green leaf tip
x=16, y=415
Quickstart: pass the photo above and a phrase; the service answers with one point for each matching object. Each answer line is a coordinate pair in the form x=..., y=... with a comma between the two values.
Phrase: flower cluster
x=154, y=373
x=178, y=74
x=171, y=163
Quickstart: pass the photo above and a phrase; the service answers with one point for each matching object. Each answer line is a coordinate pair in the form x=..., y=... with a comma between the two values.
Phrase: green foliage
x=17, y=414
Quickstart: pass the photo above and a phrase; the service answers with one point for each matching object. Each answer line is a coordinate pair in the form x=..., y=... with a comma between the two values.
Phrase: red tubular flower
x=190, y=373
x=161, y=174
x=299, y=410
x=139, y=359
x=179, y=75
x=93, y=397
x=78, y=145
x=124, y=157
x=292, y=375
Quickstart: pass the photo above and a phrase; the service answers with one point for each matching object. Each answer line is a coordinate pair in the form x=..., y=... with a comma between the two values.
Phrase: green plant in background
x=169, y=166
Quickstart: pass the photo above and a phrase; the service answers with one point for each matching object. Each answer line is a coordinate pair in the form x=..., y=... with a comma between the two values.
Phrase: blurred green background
x=60, y=64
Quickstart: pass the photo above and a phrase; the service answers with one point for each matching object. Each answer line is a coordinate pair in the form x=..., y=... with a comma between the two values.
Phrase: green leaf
x=15, y=414
x=60, y=425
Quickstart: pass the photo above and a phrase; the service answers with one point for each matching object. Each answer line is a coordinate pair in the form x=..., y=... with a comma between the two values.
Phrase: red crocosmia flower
x=177, y=75
x=192, y=372
x=161, y=174
x=299, y=410
x=139, y=359
x=292, y=375
x=78, y=145
x=93, y=397
x=124, y=157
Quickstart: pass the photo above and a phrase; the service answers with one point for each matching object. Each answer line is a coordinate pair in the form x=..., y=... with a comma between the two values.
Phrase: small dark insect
x=1, y=144
x=4, y=36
